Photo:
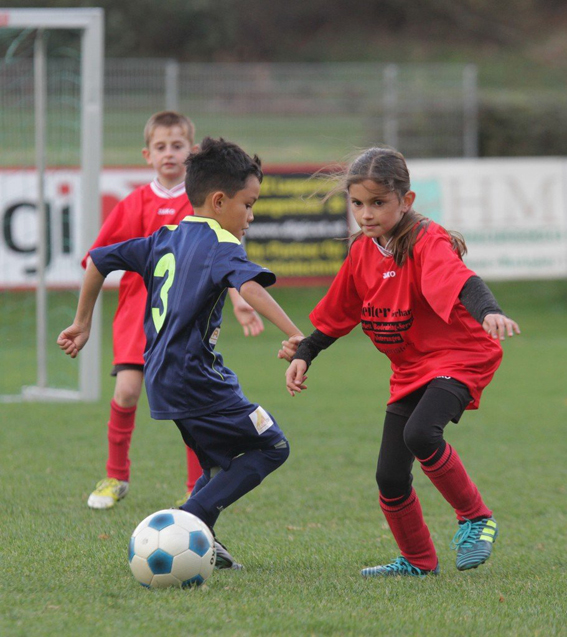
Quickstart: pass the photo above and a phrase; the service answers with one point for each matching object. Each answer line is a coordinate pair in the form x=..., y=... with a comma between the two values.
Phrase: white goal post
x=90, y=24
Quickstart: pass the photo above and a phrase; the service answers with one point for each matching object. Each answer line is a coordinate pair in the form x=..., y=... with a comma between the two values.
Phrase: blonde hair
x=168, y=119
x=387, y=167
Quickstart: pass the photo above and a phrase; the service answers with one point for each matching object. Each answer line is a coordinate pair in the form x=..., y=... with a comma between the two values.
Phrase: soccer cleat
x=225, y=559
x=107, y=493
x=473, y=542
x=400, y=566
x=179, y=503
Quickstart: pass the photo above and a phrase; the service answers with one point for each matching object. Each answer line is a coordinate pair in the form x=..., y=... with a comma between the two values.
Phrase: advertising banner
x=512, y=213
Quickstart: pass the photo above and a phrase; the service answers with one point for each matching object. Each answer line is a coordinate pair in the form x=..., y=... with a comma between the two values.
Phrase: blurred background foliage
x=519, y=47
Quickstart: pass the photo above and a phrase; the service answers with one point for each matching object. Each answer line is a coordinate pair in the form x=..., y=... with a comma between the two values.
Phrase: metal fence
x=286, y=113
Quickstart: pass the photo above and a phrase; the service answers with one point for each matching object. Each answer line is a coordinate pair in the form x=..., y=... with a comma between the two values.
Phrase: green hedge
x=522, y=130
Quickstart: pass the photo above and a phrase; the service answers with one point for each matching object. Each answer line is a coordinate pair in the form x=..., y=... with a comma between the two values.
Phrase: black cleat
x=225, y=559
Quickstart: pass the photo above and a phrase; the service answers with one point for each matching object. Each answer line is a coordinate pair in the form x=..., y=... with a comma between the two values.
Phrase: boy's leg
x=227, y=486
x=120, y=428
x=399, y=502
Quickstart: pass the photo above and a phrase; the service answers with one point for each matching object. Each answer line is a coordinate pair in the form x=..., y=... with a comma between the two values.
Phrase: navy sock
x=245, y=473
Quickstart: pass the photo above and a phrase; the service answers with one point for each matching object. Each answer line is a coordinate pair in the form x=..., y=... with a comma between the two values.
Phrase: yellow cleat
x=107, y=493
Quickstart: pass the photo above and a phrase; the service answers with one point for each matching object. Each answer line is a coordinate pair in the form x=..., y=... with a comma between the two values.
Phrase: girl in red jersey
x=404, y=280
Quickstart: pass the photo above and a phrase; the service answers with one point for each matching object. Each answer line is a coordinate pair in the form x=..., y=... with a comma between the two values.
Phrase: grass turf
x=305, y=533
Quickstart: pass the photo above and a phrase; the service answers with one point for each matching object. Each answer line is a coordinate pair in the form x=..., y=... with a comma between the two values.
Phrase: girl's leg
x=398, y=499
x=423, y=435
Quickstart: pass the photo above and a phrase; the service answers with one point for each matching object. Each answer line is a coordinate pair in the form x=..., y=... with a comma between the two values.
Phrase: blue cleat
x=400, y=566
x=473, y=542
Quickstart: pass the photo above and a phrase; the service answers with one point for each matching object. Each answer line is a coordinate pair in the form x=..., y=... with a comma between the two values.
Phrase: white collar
x=385, y=252
x=164, y=193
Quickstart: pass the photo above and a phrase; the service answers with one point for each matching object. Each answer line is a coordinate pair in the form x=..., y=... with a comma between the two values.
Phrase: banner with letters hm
x=512, y=213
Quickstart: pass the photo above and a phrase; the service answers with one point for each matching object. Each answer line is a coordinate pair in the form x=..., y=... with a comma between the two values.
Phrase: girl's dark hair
x=219, y=166
x=387, y=167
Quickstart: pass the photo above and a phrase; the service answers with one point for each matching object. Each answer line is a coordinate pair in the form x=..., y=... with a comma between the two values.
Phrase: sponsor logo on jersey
x=389, y=275
x=166, y=211
x=214, y=336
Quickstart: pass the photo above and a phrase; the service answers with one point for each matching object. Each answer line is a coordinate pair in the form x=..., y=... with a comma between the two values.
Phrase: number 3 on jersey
x=166, y=265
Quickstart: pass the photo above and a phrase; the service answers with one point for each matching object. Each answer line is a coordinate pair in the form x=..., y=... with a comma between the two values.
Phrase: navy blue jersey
x=187, y=270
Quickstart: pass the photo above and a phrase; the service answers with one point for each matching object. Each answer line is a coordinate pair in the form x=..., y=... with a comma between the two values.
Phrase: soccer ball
x=171, y=548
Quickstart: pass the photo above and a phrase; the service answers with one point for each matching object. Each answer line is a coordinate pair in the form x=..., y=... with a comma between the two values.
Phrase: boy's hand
x=250, y=320
x=289, y=347
x=295, y=377
x=498, y=326
x=73, y=339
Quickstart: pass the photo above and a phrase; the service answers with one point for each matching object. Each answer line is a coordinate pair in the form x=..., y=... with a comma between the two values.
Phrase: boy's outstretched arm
x=75, y=337
x=265, y=305
x=245, y=314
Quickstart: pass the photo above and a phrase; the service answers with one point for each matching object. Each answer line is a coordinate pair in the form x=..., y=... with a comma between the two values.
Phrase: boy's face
x=235, y=213
x=166, y=152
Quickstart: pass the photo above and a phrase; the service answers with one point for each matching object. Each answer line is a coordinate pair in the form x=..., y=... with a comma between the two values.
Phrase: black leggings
x=414, y=428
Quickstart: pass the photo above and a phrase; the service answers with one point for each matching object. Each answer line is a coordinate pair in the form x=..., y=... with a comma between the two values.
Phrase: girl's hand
x=295, y=377
x=498, y=326
x=289, y=347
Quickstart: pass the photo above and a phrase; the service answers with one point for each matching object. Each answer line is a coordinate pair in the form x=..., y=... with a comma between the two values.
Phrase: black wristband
x=310, y=346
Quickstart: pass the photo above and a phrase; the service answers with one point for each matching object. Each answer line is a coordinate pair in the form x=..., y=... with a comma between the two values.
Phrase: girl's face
x=378, y=210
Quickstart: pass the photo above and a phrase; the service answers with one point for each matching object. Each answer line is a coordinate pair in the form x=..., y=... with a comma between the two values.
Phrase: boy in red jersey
x=169, y=138
x=404, y=280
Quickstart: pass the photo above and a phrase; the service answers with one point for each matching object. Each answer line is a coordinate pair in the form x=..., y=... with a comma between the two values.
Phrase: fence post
x=171, y=85
x=470, y=111
x=391, y=105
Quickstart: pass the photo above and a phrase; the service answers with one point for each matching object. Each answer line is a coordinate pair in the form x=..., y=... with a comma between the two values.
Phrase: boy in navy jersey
x=187, y=270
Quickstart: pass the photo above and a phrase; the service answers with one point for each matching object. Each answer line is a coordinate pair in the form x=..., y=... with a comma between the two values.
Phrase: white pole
x=92, y=48
x=40, y=108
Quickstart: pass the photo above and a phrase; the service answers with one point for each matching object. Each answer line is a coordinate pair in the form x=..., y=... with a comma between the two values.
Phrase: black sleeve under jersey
x=478, y=299
x=312, y=345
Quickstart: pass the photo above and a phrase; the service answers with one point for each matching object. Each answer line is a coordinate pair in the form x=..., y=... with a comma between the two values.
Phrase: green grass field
x=307, y=530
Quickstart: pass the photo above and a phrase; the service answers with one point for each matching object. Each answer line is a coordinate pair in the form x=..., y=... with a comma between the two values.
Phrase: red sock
x=453, y=482
x=194, y=470
x=120, y=428
x=410, y=531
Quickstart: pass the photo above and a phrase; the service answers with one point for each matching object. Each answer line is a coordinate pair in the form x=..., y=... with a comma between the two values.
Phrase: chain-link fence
x=287, y=113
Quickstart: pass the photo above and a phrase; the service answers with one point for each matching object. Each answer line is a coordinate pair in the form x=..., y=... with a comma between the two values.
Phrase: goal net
x=51, y=64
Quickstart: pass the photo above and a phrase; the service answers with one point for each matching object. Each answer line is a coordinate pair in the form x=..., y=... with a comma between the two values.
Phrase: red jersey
x=412, y=314
x=140, y=214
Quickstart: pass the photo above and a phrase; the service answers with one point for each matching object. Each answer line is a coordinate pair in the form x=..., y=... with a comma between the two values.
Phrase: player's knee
x=127, y=396
x=275, y=456
x=390, y=484
x=422, y=443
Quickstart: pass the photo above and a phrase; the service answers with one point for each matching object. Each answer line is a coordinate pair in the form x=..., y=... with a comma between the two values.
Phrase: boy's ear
x=217, y=200
x=195, y=148
x=146, y=155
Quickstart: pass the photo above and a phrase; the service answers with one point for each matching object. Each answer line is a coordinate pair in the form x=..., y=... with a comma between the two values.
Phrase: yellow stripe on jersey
x=224, y=236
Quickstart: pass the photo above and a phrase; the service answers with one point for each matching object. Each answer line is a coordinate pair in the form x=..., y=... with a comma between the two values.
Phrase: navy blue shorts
x=219, y=437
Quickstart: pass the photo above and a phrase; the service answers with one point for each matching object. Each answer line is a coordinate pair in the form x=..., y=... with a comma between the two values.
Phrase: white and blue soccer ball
x=171, y=548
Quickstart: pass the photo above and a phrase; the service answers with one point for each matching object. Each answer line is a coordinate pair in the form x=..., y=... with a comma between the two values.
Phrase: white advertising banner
x=512, y=213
